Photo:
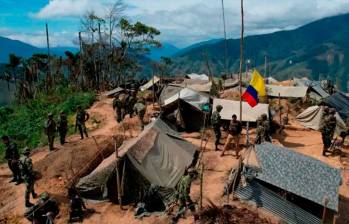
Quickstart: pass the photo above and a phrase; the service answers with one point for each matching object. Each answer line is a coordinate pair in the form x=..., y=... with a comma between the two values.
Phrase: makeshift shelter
x=270, y=80
x=293, y=186
x=286, y=91
x=183, y=107
x=150, y=83
x=158, y=156
x=195, y=84
x=315, y=91
x=312, y=118
x=249, y=113
x=230, y=83
x=114, y=92
x=340, y=102
x=203, y=77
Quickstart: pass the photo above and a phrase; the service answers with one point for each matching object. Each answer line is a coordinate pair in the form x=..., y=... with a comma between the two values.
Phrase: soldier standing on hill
x=62, y=127
x=50, y=131
x=234, y=131
x=81, y=118
x=117, y=107
x=216, y=123
x=140, y=109
x=12, y=157
x=131, y=101
x=263, y=130
x=26, y=166
x=328, y=128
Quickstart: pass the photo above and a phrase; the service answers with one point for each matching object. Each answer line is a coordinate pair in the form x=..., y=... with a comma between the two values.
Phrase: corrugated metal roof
x=287, y=211
x=299, y=174
x=340, y=102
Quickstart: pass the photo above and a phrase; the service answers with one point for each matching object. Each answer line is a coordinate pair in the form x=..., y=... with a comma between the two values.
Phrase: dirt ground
x=57, y=169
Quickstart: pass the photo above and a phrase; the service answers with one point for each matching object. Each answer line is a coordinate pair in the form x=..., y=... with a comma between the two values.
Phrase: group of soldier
x=22, y=170
x=235, y=129
x=128, y=103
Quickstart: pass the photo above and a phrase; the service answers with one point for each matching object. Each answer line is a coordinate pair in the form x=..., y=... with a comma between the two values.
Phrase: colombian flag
x=255, y=89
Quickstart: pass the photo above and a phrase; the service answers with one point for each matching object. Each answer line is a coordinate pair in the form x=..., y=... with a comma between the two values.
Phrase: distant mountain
x=199, y=44
x=167, y=50
x=19, y=48
x=317, y=50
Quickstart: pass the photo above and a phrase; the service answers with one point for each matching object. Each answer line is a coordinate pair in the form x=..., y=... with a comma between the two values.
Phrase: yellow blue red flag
x=255, y=90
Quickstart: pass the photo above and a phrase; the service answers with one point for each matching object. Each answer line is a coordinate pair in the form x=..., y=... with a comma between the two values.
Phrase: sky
x=181, y=22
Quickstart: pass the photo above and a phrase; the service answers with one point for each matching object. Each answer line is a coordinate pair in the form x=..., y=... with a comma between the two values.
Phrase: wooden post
x=201, y=185
x=280, y=110
x=118, y=174
x=247, y=134
x=48, y=53
x=153, y=89
x=241, y=55
x=225, y=41
x=265, y=65
x=324, y=211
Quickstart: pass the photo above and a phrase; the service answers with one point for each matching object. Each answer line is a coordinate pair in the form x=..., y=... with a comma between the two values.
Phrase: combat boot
x=28, y=204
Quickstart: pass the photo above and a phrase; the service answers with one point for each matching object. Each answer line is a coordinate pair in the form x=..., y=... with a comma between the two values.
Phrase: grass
x=25, y=123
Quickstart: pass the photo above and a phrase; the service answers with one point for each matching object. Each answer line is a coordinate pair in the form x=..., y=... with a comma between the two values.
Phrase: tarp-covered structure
x=312, y=118
x=286, y=91
x=315, y=91
x=203, y=77
x=183, y=107
x=150, y=83
x=158, y=156
x=340, y=102
x=114, y=92
x=249, y=113
x=195, y=84
x=307, y=182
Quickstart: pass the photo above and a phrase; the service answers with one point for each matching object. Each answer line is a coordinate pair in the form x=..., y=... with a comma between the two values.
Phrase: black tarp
x=340, y=102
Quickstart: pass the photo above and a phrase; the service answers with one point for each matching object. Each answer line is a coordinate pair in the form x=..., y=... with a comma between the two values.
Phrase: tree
x=14, y=62
x=112, y=18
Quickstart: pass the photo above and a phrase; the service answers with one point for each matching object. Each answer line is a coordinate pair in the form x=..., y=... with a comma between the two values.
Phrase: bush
x=24, y=123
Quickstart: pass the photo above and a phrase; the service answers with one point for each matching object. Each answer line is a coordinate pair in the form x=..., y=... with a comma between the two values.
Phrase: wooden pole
x=153, y=88
x=201, y=185
x=225, y=41
x=118, y=174
x=280, y=111
x=241, y=55
x=324, y=211
x=80, y=60
x=265, y=65
x=48, y=52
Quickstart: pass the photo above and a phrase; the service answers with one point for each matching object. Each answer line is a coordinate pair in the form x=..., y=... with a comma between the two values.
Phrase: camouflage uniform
x=50, y=131
x=216, y=123
x=27, y=172
x=62, y=127
x=130, y=103
x=12, y=157
x=117, y=107
x=327, y=130
x=81, y=118
x=140, y=109
x=76, y=206
x=44, y=211
x=263, y=130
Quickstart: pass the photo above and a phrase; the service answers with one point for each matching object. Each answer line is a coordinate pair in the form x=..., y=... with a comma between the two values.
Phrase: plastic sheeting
x=249, y=113
x=340, y=102
x=312, y=118
x=190, y=96
x=198, y=77
x=286, y=91
x=150, y=83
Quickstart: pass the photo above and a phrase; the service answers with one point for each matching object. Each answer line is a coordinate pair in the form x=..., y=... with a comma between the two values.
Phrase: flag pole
x=241, y=55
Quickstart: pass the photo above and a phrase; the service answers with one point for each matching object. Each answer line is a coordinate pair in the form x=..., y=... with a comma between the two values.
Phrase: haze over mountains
x=317, y=50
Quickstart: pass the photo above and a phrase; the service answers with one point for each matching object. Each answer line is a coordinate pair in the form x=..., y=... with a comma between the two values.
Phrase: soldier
x=140, y=109
x=263, y=130
x=117, y=107
x=81, y=118
x=76, y=205
x=234, y=131
x=44, y=211
x=327, y=129
x=183, y=190
x=50, y=130
x=12, y=157
x=27, y=172
x=62, y=127
x=216, y=123
x=130, y=103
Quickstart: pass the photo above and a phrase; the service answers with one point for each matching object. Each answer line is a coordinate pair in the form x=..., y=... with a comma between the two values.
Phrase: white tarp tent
x=286, y=91
x=249, y=113
x=150, y=83
x=190, y=96
x=270, y=80
x=203, y=77
x=312, y=118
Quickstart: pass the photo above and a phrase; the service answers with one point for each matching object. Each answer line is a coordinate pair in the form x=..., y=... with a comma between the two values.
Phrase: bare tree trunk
x=225, y=41
x=48, y=55
x=241, y=55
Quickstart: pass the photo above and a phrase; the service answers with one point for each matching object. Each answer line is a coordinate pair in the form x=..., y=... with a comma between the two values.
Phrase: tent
x=184, y=107
x=203, y=77
x=270, y=80
x=286, y=91
x=114, y=92
x=249, y=113
x=195, y=84
x=289, y=184
x=312, y=118
x=340, y=102
x=150, y=83
x=158, y=156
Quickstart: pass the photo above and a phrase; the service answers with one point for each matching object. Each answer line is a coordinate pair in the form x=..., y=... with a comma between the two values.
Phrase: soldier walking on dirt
x=216, y=123
x=117, y=107
x=12, y=157
x=50, y=131
x=62, y=127
x=263, y=130
x=183, y=190
x=130, y=103
x=140, y=109
x=81, y=118
x=76, y=206
x=234, y=131
x=27, y=172
x=327, y=129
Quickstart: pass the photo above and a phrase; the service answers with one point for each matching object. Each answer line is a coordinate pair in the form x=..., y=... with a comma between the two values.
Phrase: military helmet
x=50, y=114
x=219, y=107
x=26, y=151
x=44, y=196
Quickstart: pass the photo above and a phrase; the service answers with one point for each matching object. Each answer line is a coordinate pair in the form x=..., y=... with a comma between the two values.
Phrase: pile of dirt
x=230, y=94
x=228, y=214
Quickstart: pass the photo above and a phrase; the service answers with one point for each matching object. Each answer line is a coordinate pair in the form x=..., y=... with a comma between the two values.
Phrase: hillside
x=318, y=50
x=167, y=50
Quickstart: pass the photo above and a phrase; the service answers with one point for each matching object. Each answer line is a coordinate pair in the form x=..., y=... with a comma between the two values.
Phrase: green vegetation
x=24, y=123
